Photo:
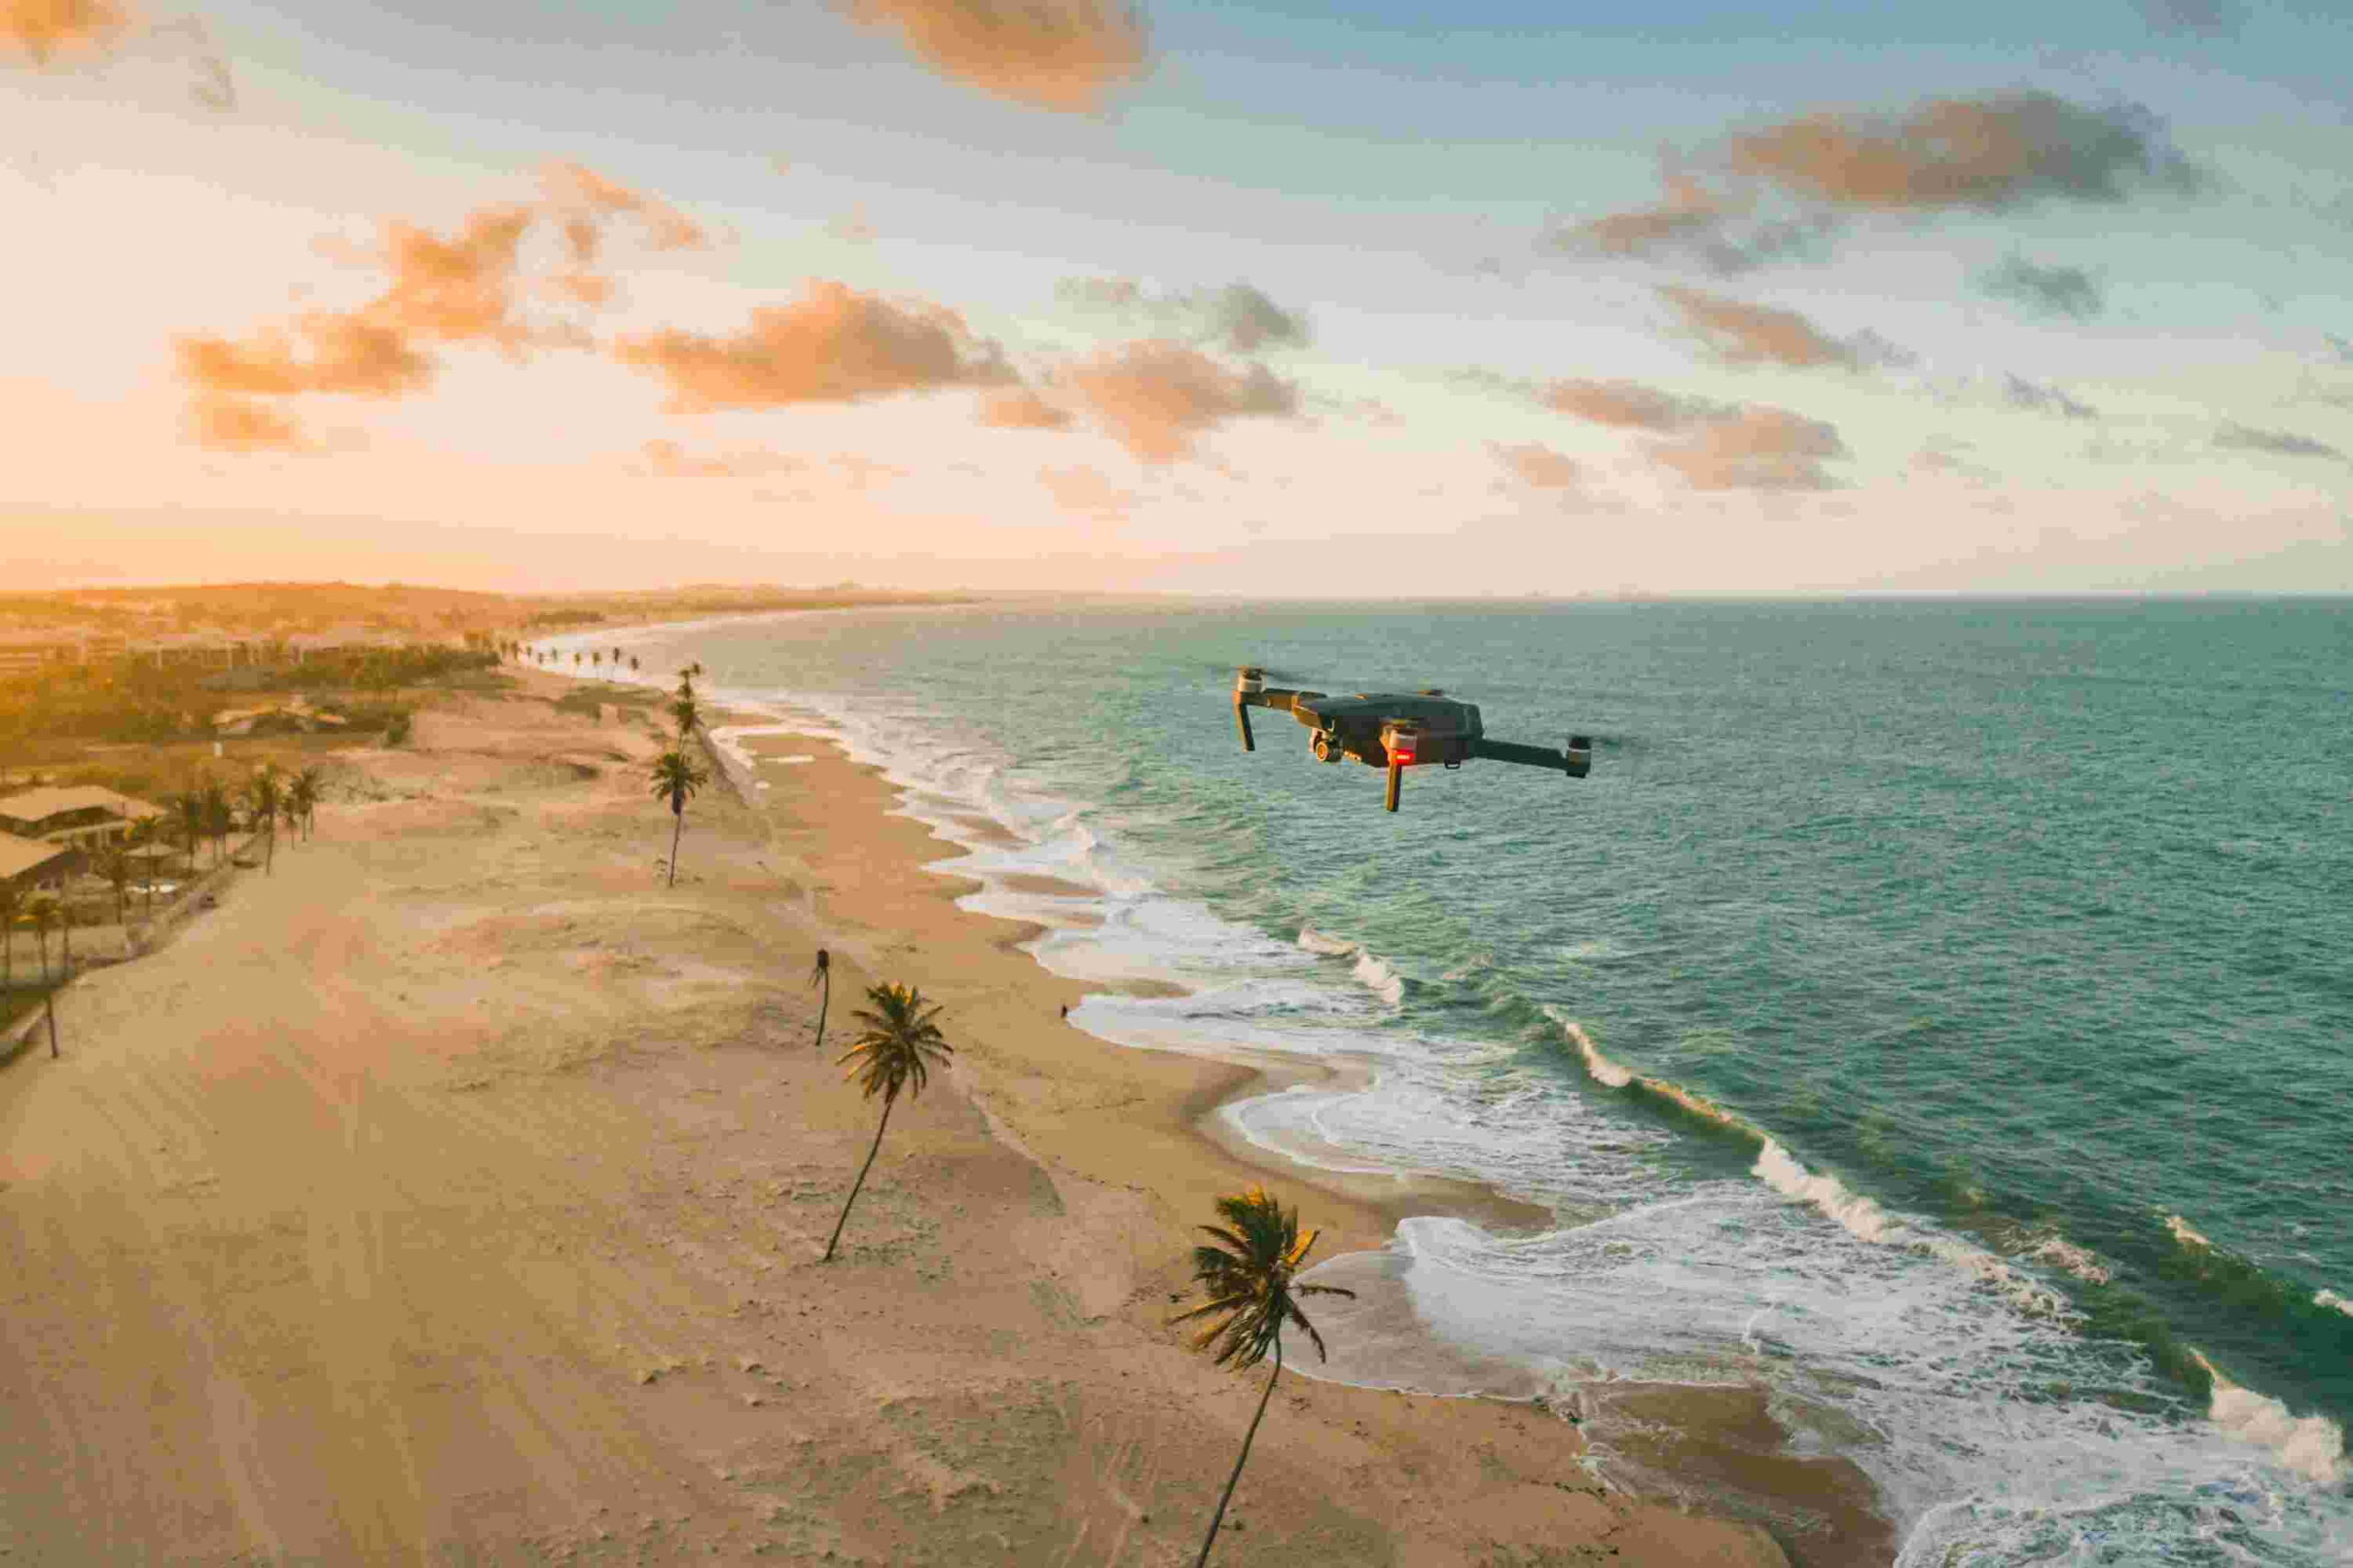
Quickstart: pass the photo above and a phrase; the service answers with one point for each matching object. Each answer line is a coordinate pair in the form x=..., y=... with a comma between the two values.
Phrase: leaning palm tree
x=822, y=974
x=899, y=1042
x=1249, y=1281
x=675, y=779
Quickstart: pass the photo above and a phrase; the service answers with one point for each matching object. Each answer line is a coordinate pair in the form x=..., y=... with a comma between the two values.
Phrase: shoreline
x=460, y=1189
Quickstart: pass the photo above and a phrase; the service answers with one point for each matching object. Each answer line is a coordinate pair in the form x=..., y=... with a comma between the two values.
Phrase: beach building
x=26, y=864
x=76, y=816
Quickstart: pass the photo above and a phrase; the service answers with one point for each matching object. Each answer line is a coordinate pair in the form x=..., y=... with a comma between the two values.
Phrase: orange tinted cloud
x=1753, y=447
x=240, y=425
x=45, y=28
x=1628, y=405
x=668, y=460
x=459, y=290
x=836, y=345
x=1538, y=466
x=1743, y=334
x=585, y=288
x=1056, y=54
x=1688, y=212
x=584, y=194
x=1081, y=489
x=1022, y=409
x=1155, y=396
x=2001, y=151
x=349, y=355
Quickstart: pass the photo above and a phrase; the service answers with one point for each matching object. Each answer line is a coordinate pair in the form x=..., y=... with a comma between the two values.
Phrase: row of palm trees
x=1247, y=1276
x=208, y=810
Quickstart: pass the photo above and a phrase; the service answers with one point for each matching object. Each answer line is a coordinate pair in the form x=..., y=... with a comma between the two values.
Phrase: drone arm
x=1245, y=699
x=1576, y=762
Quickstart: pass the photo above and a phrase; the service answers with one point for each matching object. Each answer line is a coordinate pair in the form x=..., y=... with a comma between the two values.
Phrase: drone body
x=1394, y=730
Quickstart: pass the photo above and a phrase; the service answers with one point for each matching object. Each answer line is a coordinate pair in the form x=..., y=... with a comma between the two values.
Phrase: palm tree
x=902, y=1038
x=1249, y=1281
x=12, y=906
x=190, y=806
x=113, y=862
x=220, y=820
x=823, y=974
x=290, y=812
x=262, y=795
x=596, y=659
x=676, y=777
x=617, y=658
x=684, y=710
x=42, y=911
x=632, y=663
x=304, y=792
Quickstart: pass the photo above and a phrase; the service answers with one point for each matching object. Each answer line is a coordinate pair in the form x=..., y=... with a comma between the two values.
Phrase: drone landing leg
x=1396, y=778
x=1241, y=721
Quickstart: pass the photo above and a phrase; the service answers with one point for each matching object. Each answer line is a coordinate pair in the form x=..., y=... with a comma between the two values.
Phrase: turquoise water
x=2007, y=945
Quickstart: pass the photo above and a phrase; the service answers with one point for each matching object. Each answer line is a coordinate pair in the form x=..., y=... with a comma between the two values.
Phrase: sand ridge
x=456, y=1193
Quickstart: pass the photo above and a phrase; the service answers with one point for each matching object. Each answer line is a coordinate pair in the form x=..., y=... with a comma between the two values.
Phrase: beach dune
x=456, y=1193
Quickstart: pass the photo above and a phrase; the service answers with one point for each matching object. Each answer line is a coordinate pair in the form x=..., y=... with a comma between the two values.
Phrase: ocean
x=1938, y=1012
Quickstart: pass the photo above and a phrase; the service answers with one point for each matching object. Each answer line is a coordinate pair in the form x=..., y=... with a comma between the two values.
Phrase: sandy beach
x=456, y=1194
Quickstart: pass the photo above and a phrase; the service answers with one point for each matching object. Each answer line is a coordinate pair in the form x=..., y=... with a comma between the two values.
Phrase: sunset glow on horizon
x=1378, y=300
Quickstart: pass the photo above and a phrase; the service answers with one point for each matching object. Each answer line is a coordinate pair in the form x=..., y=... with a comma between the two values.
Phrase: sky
x=1354, y=298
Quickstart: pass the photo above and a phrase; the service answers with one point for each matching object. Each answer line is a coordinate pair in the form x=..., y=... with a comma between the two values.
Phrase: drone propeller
x=1273, y=677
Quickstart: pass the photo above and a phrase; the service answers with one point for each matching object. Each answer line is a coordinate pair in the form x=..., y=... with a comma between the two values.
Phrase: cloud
x=350, y=354
x=225, y=424
x=1992, y=153
x=1054, y=54
x=1154, y=396
x=1698, y=224
x=1538, y=466
x=1081, y=489
x=582, y=286
x=1753, y=447
x=862, y=472
x=668, y=460
x=585, y=197
x=2055, y=290
x=1239, y=316
x=1942, y=458
x=2341, y=347
x=2281, y=443
x=461, y=290
x=1627, y=405
x=2213, y=17
x=1998, y=152
x=43, y=28
x=2020, y=393
x=1022, y=409
x=836, y=345
x=1745, y=333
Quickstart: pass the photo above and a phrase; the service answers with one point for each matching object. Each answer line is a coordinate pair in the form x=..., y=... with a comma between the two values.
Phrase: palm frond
x=899, y=1042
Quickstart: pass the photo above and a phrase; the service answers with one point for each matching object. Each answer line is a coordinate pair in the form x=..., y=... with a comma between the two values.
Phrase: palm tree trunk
x=861, y=1178
x=269, y=851
x=42, y=937
x=1219, y=1517
x=65, y=937
x=824, y=1000
x=677, y=824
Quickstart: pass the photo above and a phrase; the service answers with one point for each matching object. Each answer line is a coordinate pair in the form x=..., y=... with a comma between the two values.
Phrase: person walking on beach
x=1065, y=1012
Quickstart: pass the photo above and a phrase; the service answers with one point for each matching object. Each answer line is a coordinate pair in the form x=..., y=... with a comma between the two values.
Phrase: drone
x=1394, y=730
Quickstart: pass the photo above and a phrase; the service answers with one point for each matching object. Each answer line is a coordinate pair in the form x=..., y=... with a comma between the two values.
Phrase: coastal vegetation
x=1247, y=1277
x=899, y=1039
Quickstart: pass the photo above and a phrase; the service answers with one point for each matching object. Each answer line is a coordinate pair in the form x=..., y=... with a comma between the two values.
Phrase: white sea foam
x=2310, y=1445
x=2184, y=1235
x=2076, y=1260
x=1859, y=1216
x=1377, y=977
x=2331, y=1298
x=1316, y=941
x=1602, y=1069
